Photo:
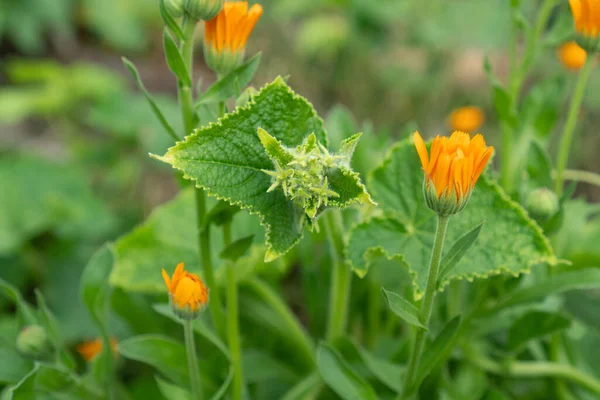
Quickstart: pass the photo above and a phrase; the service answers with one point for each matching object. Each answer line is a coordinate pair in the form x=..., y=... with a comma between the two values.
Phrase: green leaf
x=502, y=100
x=229, y=85
x=388, y=373
x=555, y=284
x=340, y=377
x=220, y=214
x=227, y=159
x=199, y=325
x=458, y=250
x=305, y=389
x=533, y=325
x=171, y=391
x=163, y=353
x=223, y=389
x=13, y=366
x=439, y=349
x=237, y=249
x=170, y=21
x=175, y=60
x=134, y=72
x=539, y=165
x=406, y=231
x=402, y=308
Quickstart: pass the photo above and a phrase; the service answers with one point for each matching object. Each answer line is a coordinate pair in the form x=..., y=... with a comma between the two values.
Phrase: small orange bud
x=466, y=119
x=187, y=293
x=572, y=55
x=90, y=349
x=451, y=169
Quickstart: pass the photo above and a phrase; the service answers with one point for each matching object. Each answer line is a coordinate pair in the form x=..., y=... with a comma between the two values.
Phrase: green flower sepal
x=305, y=174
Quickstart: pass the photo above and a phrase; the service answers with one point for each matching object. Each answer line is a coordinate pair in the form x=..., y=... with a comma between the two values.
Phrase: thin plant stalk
x=426, y=307
x=233, y=329
x=567, y=136
x=190, y=347
x=203, y=230
x=341, y=277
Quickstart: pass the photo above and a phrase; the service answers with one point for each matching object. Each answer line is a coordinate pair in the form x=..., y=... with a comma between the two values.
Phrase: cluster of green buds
x=198, y=10
x=302, y=172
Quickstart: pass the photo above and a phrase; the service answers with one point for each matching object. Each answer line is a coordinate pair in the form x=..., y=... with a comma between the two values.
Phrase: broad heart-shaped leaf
x=511, y=242
x=227, y=159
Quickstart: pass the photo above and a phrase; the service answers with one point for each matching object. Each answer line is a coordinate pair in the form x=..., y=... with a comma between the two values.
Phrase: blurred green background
x=75, y=132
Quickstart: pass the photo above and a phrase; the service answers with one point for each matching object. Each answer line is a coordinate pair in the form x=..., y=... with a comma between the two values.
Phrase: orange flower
x=452, y=169
x=466, y=119
x=586, y=14
x=187, y=293
x=572, y=55
x=90, y=349
x=226, y=35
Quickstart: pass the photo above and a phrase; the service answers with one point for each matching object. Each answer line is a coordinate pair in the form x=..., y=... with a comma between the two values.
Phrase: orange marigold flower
x=226, y=35
x=90, y=349
x=451, y=169
x=187, y=293
x=466, y=119
x=572, y=55
x=586, y=14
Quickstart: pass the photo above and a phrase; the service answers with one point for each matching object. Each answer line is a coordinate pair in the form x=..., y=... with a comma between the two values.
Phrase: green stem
x=426, y=306
x=518, y=75
x=190, y=346
x=588, y=177
x=233, y=334
x=538, y=369
x=567, y=136
x=184, y=91
x=214, y=304
x=341, y=277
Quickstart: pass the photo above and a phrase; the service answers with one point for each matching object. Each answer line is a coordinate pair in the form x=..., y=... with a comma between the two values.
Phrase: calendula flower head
x=572, y=56
x=204, y=10
x=33, y=342
x=451, y=169
x=187, y=293
x=90, y=349
x=586, y=14
x=226, y=35
x=466, y=119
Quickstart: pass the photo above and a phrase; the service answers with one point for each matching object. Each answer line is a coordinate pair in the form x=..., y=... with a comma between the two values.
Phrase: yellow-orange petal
x=166, y=279
x=478, y=169
x=572, y=56
x=421, y=150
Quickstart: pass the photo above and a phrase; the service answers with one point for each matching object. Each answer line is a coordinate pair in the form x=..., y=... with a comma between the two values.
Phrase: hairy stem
x=190, y=347
x=426, y=307
x=341, y=277
x=233, y=334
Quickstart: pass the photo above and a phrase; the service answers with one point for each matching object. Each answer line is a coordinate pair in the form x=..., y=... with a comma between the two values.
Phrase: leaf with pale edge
x=402, y=308
x=511, y=242
x=227, y=159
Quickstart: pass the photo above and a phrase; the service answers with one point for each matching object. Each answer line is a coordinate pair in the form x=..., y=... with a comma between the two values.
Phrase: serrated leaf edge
x=550, y=259
x=270, y=254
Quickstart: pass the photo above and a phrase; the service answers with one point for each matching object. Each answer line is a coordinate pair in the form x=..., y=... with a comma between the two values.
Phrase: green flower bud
x=542, y=204
x=204, y=10
x=175, y=7
x=33, y=342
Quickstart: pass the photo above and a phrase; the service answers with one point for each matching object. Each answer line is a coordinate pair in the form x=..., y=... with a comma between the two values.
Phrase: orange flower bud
x=466, y=119
x=226, y=35
x=187, y=293
x=451, y=169
x=90, y=349
x=572, y=55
